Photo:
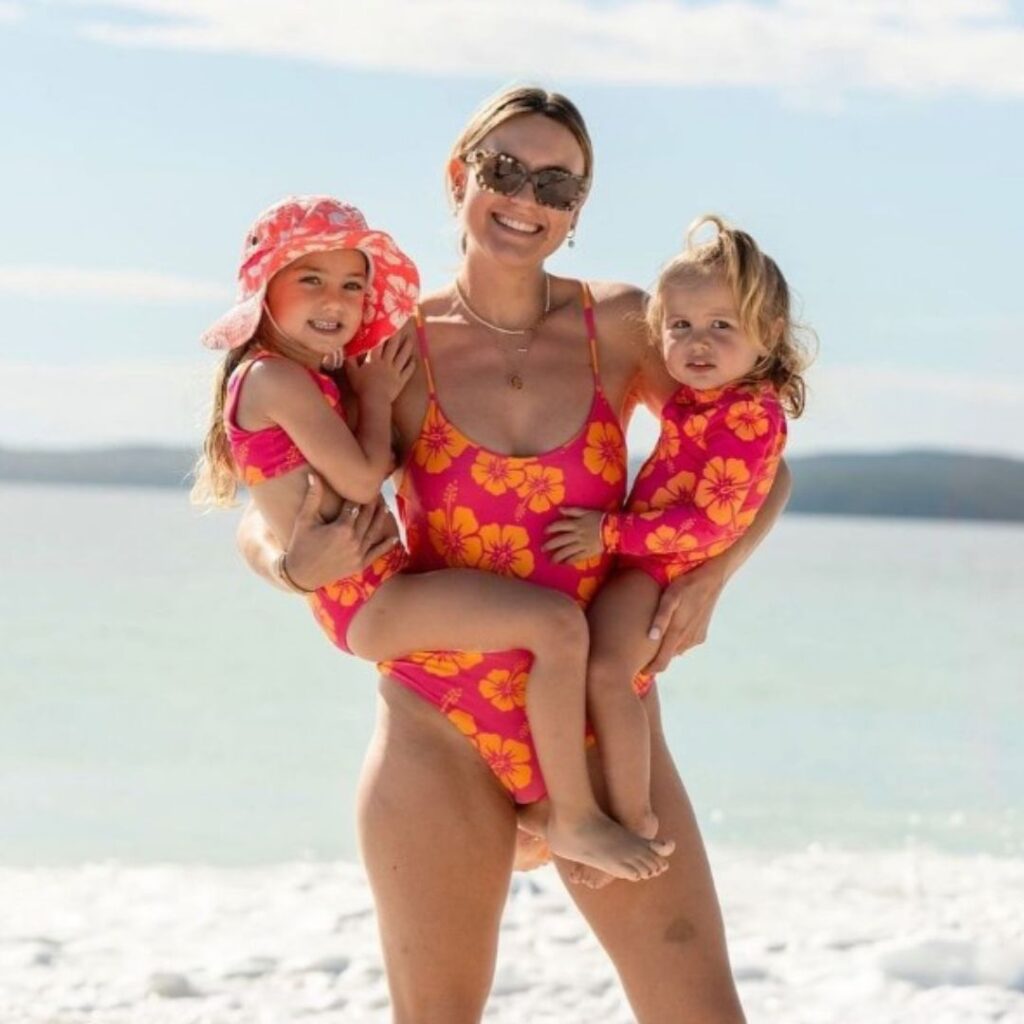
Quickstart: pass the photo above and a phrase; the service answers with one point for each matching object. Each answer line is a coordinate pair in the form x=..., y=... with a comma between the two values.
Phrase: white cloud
x=805, y=48
x=118, y=285
x=11, y=12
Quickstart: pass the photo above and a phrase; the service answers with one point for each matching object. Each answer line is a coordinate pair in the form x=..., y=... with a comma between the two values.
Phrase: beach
x=177, y=777
x=817, y=937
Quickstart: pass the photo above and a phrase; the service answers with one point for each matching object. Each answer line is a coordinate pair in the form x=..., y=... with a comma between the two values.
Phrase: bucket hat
x=297, y=226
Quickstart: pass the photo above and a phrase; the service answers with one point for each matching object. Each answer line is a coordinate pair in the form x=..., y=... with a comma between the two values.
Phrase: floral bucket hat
x=297, y=226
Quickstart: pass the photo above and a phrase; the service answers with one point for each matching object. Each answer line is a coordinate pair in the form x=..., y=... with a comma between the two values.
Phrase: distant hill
x=928, y=484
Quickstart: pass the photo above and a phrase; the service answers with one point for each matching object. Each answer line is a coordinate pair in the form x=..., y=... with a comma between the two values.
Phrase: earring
x=571, y=237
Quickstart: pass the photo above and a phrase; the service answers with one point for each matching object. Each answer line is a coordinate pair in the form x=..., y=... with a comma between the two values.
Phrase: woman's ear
x=456, y=181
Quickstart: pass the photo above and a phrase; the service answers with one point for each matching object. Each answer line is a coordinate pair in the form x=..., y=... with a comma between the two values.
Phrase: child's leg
x=619, y=620
x=460, y=609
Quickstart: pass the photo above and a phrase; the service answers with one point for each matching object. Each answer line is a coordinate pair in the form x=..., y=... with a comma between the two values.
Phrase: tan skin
x=437, y=831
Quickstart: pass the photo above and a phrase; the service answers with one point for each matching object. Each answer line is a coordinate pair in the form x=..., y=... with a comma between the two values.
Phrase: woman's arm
x=683, y=614
x=318, y=552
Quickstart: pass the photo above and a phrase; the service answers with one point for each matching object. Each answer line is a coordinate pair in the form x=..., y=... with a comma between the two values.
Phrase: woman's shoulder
x=616, y=297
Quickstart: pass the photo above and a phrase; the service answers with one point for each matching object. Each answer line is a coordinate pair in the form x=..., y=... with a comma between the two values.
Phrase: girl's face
x=517, y=229
x=702, y=340
x=317, y=301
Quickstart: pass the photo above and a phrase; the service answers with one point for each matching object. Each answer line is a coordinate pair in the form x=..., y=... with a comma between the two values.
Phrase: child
x=318, y=289
x=720, y=312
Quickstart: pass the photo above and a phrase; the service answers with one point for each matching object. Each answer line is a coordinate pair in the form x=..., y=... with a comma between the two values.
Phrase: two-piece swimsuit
x=261, y=455
x=465, y=505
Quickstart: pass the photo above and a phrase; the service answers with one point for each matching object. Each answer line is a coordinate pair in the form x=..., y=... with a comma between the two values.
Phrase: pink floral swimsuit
x=464, y=505
x=261, y=455
x=714, y=464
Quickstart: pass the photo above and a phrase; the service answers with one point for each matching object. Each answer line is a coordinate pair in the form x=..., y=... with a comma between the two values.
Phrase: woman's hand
x=684, y=612
x=576, y=536
x=385, y=370
x=319, y=552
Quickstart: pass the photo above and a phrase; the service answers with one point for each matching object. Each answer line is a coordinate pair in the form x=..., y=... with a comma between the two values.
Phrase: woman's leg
x=666, y=936
x=619, y=619
x=437, y=834
x=459, y=609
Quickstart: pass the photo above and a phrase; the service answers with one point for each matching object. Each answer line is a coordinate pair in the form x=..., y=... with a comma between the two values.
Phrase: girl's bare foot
x=598, y=842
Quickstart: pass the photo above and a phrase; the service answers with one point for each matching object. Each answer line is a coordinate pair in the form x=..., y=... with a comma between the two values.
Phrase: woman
x=507, y=374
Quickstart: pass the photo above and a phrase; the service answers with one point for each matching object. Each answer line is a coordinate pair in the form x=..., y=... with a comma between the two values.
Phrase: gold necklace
x=513, y=377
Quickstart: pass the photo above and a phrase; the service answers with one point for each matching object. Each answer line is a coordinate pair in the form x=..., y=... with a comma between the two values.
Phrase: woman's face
x=517, y=229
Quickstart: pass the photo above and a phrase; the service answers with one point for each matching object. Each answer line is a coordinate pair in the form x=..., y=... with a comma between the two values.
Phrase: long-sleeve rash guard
x=714, y=464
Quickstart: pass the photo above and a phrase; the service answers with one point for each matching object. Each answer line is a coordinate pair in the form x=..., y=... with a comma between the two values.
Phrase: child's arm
x=703, y=512
x=282, y=392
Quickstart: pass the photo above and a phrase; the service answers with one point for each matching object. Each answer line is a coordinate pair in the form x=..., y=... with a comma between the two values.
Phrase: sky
x=875, y=148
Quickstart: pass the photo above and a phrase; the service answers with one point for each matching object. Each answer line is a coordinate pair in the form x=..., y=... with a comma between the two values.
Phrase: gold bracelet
x=280, y=573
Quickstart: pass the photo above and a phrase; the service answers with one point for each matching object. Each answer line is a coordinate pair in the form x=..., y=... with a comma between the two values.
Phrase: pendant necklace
x=513, y=377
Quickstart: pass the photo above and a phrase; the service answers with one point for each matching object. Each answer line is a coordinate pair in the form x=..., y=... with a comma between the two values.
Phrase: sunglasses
x=553, y=187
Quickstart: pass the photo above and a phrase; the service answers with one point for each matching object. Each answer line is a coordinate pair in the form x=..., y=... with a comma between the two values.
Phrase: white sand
x=819, y=937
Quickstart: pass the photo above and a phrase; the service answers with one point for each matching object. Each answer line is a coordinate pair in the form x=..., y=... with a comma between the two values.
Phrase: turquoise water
x=861, y=687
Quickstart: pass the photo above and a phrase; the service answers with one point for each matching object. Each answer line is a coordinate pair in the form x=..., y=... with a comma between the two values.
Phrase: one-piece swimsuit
x=465, y=505
x=261, y=455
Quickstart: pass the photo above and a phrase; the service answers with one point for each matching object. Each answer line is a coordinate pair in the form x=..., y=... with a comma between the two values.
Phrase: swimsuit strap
x=588, y=319
x=421, y=339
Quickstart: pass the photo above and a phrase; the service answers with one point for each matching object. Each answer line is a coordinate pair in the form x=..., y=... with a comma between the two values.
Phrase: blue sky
x=874, y=148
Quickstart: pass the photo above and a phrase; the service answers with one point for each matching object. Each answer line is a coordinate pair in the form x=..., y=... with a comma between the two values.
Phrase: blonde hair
x=215, y=472
x=517, y=102
x=762, y=299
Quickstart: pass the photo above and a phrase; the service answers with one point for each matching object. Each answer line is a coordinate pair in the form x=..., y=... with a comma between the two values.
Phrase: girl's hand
x=684, y=612
x=320, y=552
x=384, y=370
x=576, y=536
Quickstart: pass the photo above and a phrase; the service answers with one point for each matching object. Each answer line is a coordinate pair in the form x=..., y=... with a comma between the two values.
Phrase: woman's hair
x=516, y=102
x=216, y=480
x=762, y=299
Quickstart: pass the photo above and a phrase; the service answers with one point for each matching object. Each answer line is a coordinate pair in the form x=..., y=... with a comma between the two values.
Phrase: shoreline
x=820, y=936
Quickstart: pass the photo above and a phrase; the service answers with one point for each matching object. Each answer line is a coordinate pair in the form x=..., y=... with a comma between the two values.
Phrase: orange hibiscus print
x=454, y=533
x=508, y=759
x=666, y=448
x=723, y=489
x=586, y=589
x=605, y=452
x=438, y=443
x=542, y=487
x=347, y=591
x=747, y=420
x=667, y=540
x=505, y=690
x=677, y=491
x=695, y=428
x=505, y=550
x=495, y=473
x=445, y=663
x=463, y=721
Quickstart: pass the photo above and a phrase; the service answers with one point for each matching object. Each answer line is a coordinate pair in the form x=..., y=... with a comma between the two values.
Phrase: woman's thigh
x=665, y=935
x=438, y=836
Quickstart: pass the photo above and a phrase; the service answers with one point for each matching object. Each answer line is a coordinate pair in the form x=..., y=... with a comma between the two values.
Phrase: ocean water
x=861, y=689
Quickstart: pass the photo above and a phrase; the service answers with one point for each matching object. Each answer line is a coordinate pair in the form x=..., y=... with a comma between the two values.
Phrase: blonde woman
x=516, y=410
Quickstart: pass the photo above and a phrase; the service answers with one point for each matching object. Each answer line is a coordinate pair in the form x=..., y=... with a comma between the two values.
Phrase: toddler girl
x=720, y=313
x=318, y=289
